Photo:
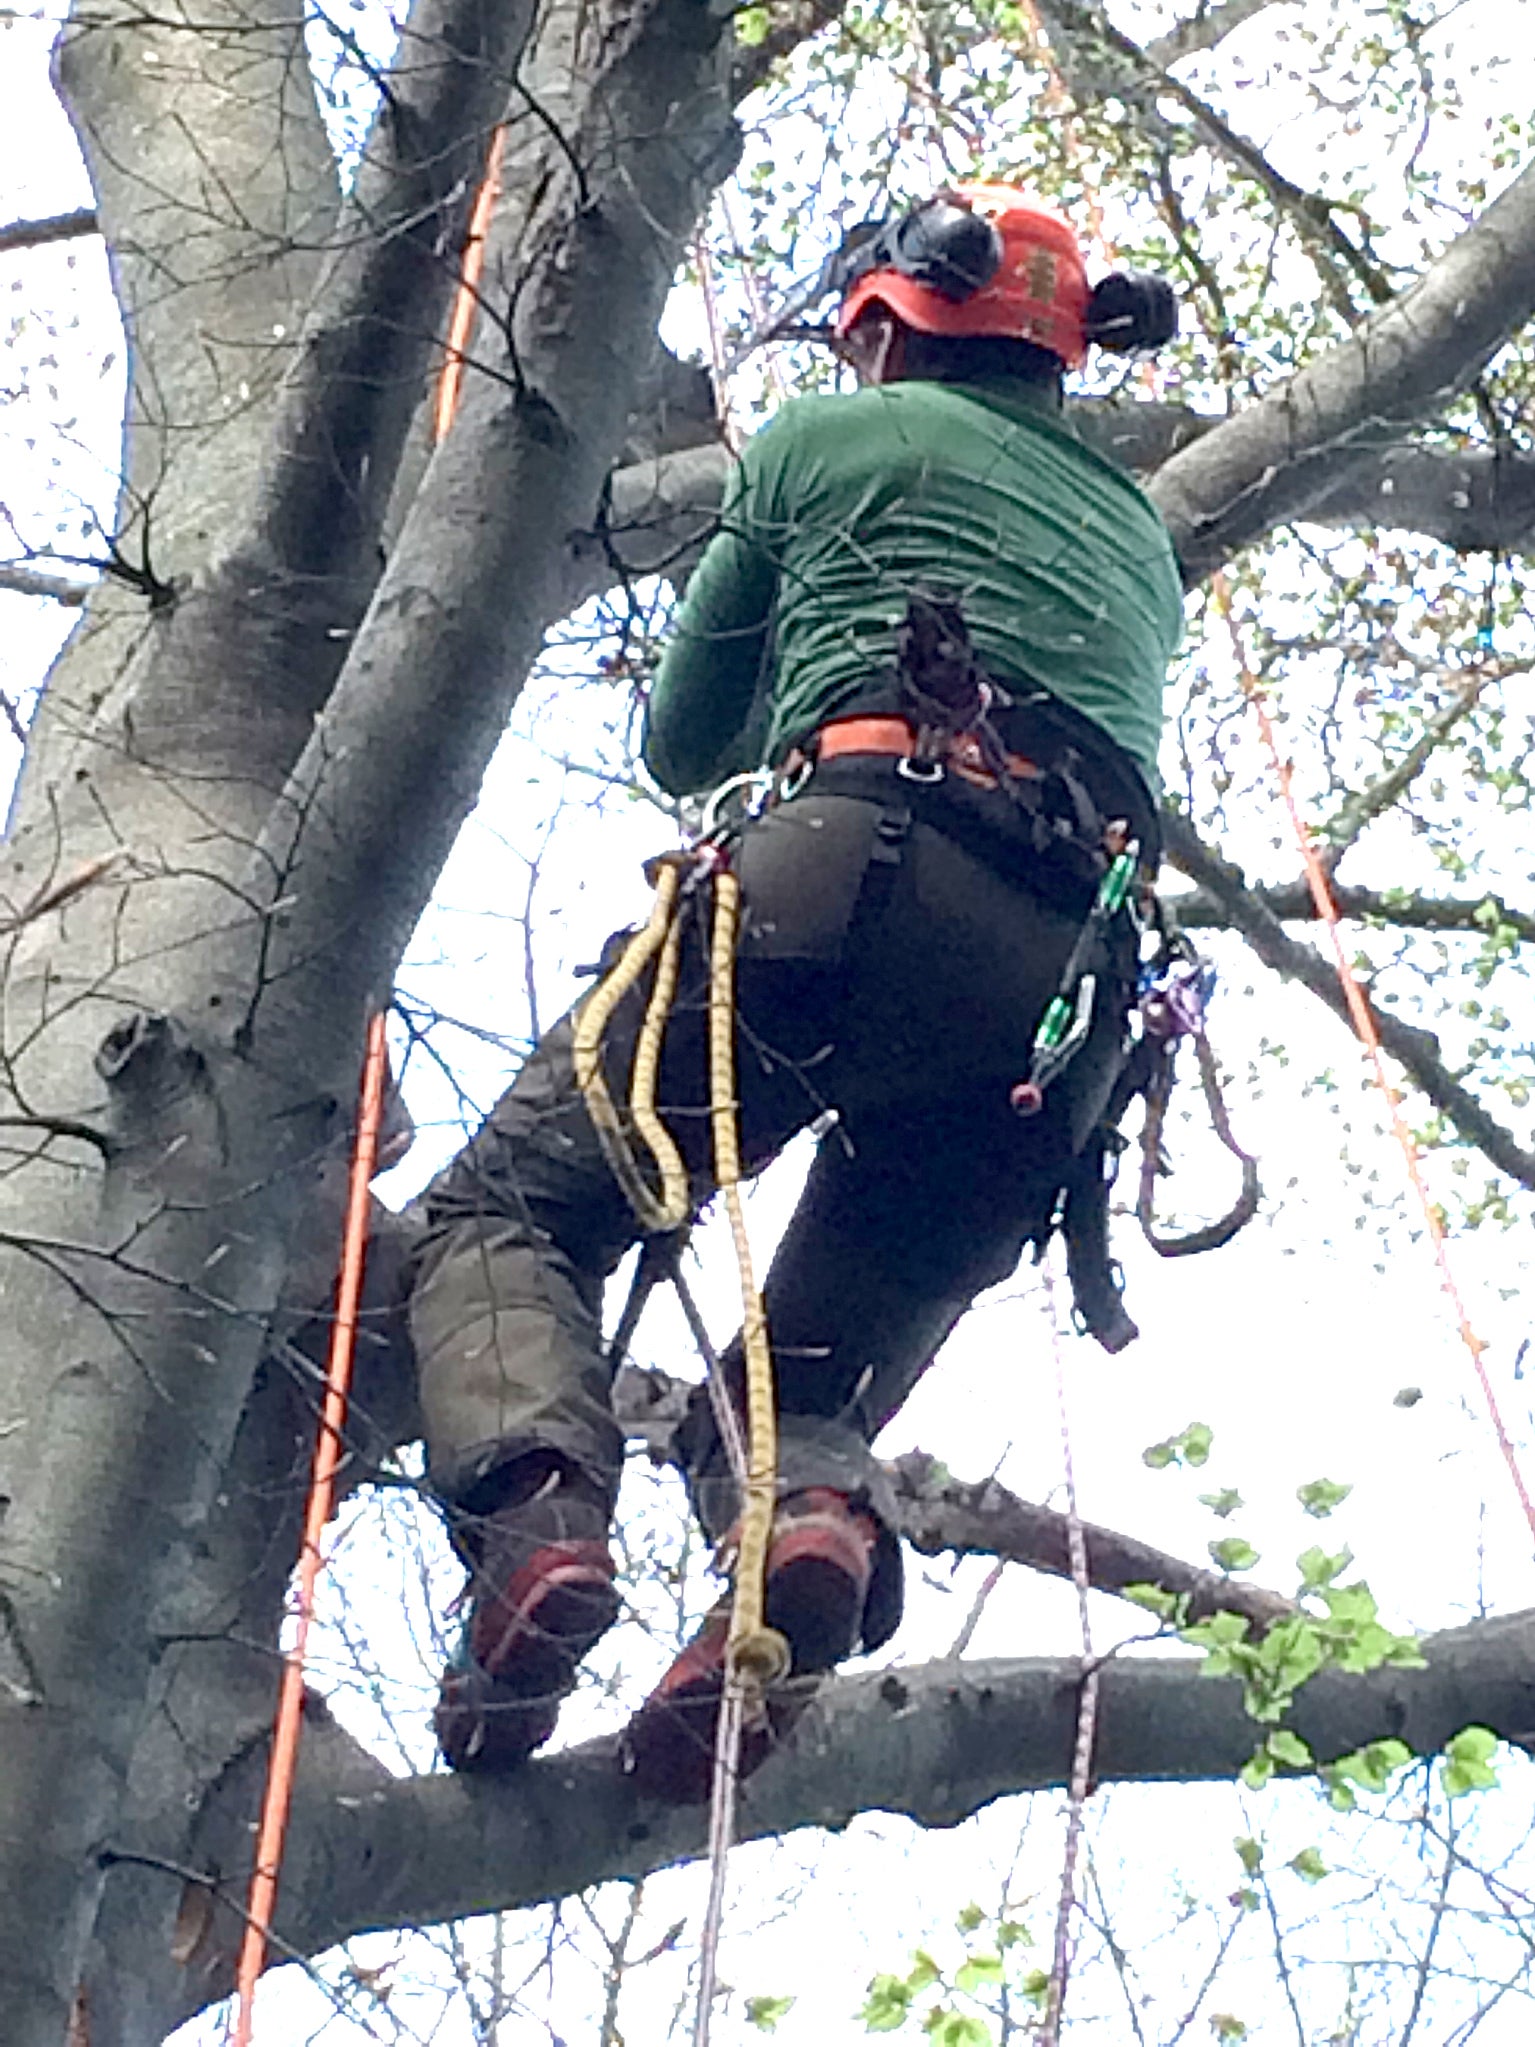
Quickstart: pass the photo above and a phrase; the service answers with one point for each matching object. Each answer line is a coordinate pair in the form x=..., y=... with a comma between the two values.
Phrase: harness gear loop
x=661, y=935
x=1153, y=1163
x=758, y=1654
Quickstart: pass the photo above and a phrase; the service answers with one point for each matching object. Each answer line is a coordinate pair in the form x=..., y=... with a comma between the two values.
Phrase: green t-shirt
x=1063, y=568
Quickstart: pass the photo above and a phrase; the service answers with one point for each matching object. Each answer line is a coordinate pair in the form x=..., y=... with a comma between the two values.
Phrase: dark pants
x=898, y=948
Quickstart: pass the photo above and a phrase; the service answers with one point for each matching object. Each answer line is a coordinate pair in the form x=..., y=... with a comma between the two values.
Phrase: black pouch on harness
x=943, y=690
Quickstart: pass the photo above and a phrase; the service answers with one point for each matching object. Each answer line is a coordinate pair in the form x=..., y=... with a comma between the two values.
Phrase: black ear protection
x=1131, y=312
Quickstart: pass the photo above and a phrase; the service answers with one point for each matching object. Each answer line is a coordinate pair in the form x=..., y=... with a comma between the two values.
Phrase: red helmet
x=1039, y=292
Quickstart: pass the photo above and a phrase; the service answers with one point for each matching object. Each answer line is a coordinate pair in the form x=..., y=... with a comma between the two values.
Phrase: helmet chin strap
x=876, y=347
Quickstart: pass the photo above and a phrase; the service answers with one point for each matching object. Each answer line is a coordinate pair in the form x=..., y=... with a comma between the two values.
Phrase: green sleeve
x=700, y=718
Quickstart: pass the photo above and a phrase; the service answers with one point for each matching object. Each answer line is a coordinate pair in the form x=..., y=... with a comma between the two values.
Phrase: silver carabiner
x=790, y=785
x=757, y=781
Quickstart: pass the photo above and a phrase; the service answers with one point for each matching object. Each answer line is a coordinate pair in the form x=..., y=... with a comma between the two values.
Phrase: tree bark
x=934, y=1744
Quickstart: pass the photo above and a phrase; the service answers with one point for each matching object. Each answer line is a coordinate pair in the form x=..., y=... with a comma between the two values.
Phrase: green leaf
x=752, y=26
x=1258, y=1769
x=1013, y=1933
x=765, y=2012
x=1467, y=1764
x=1224, y=1504
x=1288, y=1749
x=950, y=2028
x=971, y=1916
x=1318, y=1568
x=887, y=2006
x=1036, y=1988
x=977, y=1971
x=924, y=1970
x=1309, y=1864
x=1371, y=1768
x=1191, y=1447
x=1234, y=1553
x=1322, y=1497
x=1249, y=1853
x=1155, y=1599
x=1195, y=1443
x=1225, y=2027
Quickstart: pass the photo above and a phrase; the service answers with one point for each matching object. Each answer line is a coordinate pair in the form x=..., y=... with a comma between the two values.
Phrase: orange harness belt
x=895, y=736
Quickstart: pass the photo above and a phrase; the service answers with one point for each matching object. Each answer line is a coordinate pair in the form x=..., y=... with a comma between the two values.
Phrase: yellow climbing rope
x=759, y=1656
x=663, y=935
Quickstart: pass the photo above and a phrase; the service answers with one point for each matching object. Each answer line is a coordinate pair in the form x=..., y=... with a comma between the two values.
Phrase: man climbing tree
x=945, y=624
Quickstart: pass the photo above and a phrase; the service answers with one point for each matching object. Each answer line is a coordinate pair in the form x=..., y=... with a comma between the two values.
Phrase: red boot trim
x=527, y=1609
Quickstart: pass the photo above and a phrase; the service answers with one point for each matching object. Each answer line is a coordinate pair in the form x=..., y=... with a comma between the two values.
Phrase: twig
x=57, y=227
x=1415, y=1050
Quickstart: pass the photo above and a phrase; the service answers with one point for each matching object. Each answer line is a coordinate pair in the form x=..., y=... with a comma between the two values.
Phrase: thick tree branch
x=58, y=227
x=941, y=1514
x=373, y=325
x=489, y=555
x=936, y=1744
x=1417, y=1051
x=1277, y=459
x=1472, y=500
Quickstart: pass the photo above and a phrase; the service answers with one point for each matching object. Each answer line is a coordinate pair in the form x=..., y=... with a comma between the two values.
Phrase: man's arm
x=702, y=702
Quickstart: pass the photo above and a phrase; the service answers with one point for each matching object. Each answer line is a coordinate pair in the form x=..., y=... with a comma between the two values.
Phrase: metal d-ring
x=910, y=769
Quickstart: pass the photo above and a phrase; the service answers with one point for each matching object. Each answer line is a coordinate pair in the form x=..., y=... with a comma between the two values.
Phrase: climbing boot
x=818, y=1569
x=540, y=1594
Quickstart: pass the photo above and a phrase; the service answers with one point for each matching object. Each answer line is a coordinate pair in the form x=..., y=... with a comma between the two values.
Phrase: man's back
x=1062, y=566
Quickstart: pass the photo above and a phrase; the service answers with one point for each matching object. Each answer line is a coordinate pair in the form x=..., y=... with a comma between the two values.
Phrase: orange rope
x=1319, y=881
x=278, y=1798
x=467, y=300
x=1363, y=1016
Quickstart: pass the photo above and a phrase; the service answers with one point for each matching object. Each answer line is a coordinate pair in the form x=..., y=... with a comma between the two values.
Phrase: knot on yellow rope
x=760, y=1659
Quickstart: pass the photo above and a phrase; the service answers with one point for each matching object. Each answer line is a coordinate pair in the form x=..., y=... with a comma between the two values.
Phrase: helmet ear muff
x=946, y=245
x=942, y=244
x=1132, y=312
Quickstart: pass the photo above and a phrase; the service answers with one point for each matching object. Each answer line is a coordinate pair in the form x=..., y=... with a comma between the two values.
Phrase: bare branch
x=58, y=227
x=1417, y=1051
x=1358, y=811
x=1122, y=66
x=1207, y=26
x=25, y=582
x=940, y=1513
x=1293, y=903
